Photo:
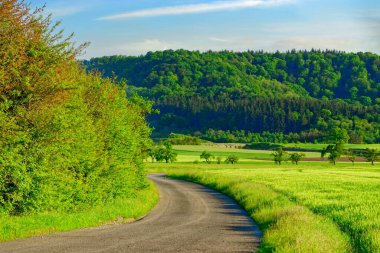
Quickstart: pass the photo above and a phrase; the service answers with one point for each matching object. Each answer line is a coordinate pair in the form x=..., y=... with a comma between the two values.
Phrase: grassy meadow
x=320, y=146
x=191, y=153
x=312, y=207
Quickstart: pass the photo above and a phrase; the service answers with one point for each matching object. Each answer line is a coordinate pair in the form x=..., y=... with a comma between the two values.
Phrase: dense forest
x=255, y=96
x=68, y=140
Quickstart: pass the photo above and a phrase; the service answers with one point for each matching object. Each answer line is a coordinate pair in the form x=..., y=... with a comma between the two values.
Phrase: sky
x=135, y=27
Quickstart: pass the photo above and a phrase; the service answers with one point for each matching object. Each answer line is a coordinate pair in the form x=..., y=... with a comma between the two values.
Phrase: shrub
x=232, y=159
x=67, y=139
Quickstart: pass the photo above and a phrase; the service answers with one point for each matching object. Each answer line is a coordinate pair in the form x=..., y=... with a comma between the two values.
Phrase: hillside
x=293, y=96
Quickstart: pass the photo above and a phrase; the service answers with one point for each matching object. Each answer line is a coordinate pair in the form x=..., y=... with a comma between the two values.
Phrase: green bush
x=263, y=146
x=181, y=139
x=67, y=139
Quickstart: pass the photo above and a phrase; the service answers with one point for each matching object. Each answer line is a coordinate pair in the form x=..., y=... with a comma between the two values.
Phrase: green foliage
x=301, y=95
x=181, y=139
x=263, y=146
x=279, y=156
x=207, y=156
x=372, y=155
x=296, y=157
x=121, y=210
x=232, y=159
x=165, y=152
x=338, y=135
x=335, y=152
x=68, y=140
x=351, y=156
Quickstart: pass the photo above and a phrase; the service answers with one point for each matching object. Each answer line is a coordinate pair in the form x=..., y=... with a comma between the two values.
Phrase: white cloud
x=197, y=8
x=219, y=39
x=63, y=11
x=309, y=42
x=141, y=47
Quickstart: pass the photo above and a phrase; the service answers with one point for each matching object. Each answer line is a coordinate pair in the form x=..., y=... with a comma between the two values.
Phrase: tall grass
x=345, y=196
x=121, y=210
x=287, y=226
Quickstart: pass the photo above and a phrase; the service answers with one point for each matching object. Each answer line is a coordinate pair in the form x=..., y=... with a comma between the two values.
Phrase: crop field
x=191, y=153
x=312, y=207
x=320, y=146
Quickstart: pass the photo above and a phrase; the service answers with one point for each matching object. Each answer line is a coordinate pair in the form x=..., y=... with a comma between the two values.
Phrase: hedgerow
x=67, y=139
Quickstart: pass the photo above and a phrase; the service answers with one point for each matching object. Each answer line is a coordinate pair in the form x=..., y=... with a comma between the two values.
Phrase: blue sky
x=133, y=27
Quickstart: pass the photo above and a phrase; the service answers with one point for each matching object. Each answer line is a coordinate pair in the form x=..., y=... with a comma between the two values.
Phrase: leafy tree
x=68, y=139
x=232, y=159
x=166, y=153
x=218, y=160
x=351, y=156
x=372, y=155
x=296, y=157
x=279, y=156
x=207, y=156
x=338, y=136
x=333, y=156
x=334, y=151
x=152, y=153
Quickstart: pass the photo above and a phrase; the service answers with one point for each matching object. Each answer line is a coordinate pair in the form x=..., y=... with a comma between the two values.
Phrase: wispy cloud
x=197, y=8
x=64, y=11
x=219, y=39
x=309, y=42
x=141, y=47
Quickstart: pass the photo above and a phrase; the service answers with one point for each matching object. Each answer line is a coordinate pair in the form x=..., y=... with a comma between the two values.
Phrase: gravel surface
x=188, y=218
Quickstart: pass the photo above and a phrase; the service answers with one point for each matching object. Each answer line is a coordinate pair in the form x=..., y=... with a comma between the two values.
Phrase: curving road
x=188, y=218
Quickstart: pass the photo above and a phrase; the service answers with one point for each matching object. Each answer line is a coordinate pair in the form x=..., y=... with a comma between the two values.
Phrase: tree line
x=304, y=93
x=287, y=119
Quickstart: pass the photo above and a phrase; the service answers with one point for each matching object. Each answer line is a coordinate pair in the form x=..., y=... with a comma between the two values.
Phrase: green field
x=312, y=207
x=320, y=146
x=191, y=153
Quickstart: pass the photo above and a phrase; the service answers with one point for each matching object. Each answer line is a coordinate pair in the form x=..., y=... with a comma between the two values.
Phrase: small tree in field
x=232, y=159
x=279, y=156
x=333, y=156
x=334, y=151
x=166, y=153
x=152, y=153
x=338, y=136
x=207, y=156
x=372, y=155
x=296, y=157
x=351, y=156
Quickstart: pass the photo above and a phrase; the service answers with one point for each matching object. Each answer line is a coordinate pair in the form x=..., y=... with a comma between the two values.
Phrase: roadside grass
x=118, y=211
x=313, y=207
x=287, y=227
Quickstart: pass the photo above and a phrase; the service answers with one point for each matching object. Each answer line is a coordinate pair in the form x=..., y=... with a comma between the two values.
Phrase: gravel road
x=188, y=218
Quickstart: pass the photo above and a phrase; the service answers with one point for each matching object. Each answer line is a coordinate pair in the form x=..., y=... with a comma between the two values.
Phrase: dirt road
x=189, y=218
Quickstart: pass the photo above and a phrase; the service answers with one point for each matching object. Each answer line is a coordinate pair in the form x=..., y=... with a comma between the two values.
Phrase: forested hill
x=298, y=92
